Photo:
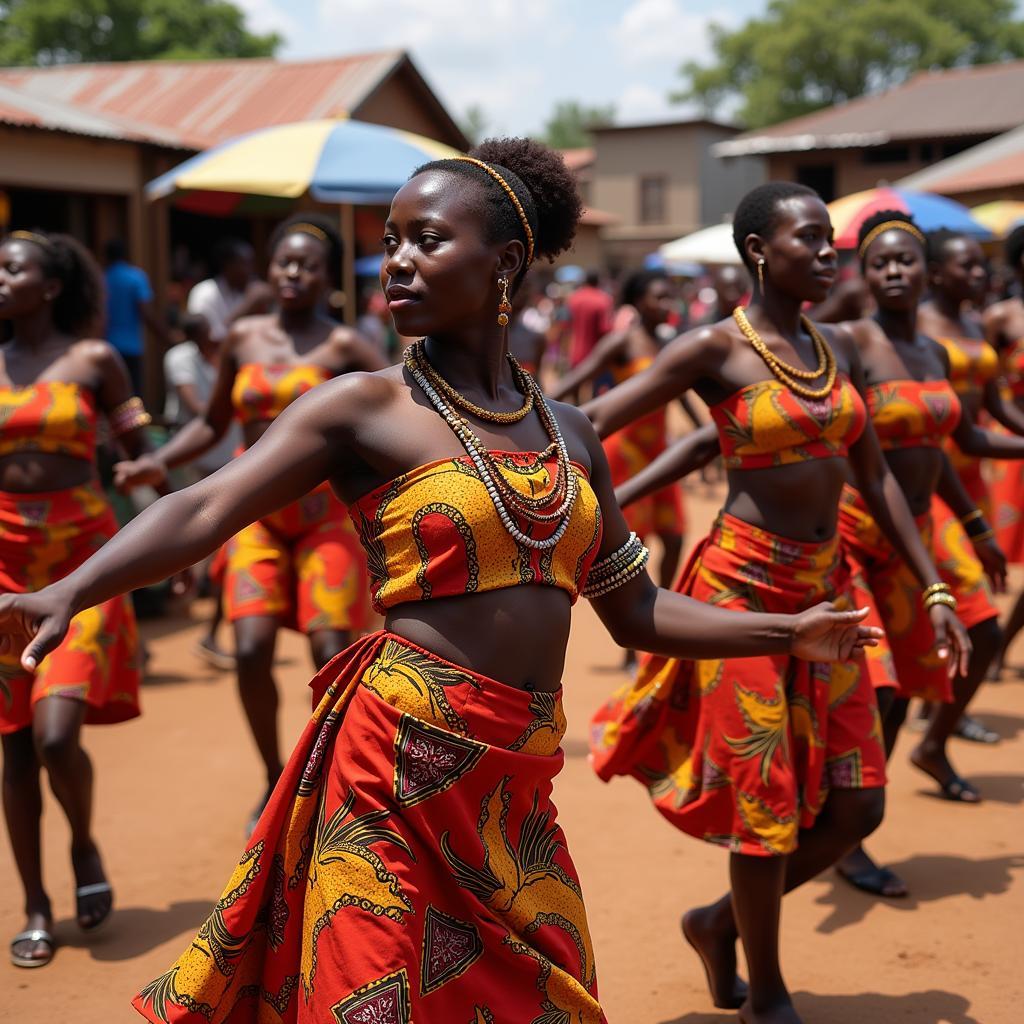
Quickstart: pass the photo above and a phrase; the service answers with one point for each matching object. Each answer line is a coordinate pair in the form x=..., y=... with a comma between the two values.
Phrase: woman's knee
x=254, y=649
x=987, y=638
x=20, y=761
x=56, y=745
x=325, y=644
x=856, y=813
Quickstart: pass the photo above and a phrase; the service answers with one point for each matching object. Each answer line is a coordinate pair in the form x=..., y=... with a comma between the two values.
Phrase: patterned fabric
x=408, y=868
x=434, y=532
x=50, y=416
x=913, y=413
x=1007, y=475
x=44, y=535
x=958, y=565
x=633, y=449
x=262, y=392
x=766, y=424
x=742, y=752
x=302, y=564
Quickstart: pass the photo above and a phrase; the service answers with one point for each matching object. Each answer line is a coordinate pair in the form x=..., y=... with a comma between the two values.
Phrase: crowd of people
x=405, y=862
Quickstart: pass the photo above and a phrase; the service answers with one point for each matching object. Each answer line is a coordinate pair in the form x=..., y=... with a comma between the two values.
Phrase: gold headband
x=32, y=236
x=890, y=225
x=511, y=194
x=305, y=228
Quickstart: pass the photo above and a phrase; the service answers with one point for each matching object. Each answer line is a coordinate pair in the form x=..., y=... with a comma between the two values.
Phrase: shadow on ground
x=134, y=931
x=929, y=877
x=931, y=1007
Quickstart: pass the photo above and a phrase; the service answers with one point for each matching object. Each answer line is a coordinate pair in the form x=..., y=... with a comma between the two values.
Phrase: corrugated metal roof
x=982, y=100
x=993, y=164
x=200, y=103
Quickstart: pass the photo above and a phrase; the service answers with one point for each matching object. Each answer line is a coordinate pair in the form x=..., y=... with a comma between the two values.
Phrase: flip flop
x=971, y=729
x=955, y=788
x=83, y=892
x=874, y=881
x=33, y=935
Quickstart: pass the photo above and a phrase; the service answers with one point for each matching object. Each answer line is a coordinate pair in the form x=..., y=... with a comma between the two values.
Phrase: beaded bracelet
x=617, y=569
x=127, y=416
x=620, y=578
x=611, y=563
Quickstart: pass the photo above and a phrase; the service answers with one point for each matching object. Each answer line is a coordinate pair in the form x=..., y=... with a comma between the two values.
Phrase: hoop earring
x=504, y=306
x=760, y=275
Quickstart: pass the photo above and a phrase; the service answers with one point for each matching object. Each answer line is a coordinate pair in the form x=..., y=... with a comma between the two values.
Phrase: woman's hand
x=993, y=561
x=952, y=644
x=34, y=624
x=823, y=633
x=146, y=470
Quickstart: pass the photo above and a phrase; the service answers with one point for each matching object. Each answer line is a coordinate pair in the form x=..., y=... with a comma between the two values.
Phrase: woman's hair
x=79, y=308
x=883, y=217
x=544, y=186
x=758, y=212
x=635, y=286
x=937, y=241
x=299, y=224
x=1013, y=249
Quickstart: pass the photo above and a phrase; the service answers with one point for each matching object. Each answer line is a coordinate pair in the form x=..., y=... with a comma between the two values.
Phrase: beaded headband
x=890, y=225
x=511, y=194
x=305, y=228
x=33, y=236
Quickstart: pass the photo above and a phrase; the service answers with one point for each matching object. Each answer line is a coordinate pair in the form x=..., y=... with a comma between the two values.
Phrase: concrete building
x=661, y=181
x=881, y=138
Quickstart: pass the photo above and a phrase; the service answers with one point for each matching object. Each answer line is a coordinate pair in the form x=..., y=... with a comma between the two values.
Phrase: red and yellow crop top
x=623, y=371
x=913, y=413
x=766, y=424
x=262, y=392
x=1013, y=369
x=972, y=364
x=51, y=416
x=434, y=532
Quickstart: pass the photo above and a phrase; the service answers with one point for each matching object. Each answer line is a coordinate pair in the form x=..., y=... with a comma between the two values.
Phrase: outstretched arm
x=602, y=355
x=688, y=454
x=299, y=451
x=1006, y=413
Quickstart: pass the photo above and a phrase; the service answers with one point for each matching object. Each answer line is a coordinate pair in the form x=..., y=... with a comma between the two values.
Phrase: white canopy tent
x=710, y=246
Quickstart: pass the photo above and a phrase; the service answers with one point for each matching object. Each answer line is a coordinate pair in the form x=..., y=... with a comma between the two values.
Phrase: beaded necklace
x=792, y=375
x=501, y=493
x=460, y=400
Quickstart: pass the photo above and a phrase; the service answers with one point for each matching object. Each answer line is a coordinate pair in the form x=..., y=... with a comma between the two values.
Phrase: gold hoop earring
x=760, y=275
x=504, y=307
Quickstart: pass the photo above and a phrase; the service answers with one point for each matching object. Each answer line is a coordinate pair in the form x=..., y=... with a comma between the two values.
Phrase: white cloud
x=662, y=30
x=266, y=16
x=640, y=102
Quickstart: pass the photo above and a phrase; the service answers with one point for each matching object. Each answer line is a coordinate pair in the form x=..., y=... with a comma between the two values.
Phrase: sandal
x=878, y=881
x=84, y=892
x=33, y=935
x=959, y=790
x=971, y=729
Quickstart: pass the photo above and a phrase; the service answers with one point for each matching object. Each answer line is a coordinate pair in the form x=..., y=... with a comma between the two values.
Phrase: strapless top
x=50, y=416
x=1013, y=369
x=913, y=413
x=972, y=364
x=434, y=532
x=262, y=392
x=766, y=424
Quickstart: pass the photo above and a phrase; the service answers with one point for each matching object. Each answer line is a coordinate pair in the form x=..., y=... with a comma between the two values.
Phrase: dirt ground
x=174, y=788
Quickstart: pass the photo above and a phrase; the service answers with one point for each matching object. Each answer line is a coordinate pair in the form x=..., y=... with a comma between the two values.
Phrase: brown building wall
x=396, y=104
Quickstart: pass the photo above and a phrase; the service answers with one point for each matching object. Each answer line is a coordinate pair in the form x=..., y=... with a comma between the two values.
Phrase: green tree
x=474, y=123
x=70, y=31
x=570, y=122
x=806, y=54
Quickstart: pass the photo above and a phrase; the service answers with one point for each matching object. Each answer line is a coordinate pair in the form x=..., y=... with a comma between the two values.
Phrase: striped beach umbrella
x=332, y=161
x=929, y=211
x=1000, y=216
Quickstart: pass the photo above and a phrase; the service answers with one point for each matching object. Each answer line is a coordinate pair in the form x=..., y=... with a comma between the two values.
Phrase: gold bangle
x=936, y=588
x=947, y=599
x=984, y=535
x=971, y=516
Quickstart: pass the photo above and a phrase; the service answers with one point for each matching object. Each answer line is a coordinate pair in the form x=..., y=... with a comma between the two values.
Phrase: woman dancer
x=781, y=763
x=915, y=410
x=300, y=566
x=1004, y=330
x=55, y=382
x=625, y=353
x=371, y=889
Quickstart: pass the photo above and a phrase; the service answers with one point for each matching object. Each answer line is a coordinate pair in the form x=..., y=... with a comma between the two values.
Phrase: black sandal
x=85, y=892
x=956, y=788
x=875, y=880
x=971, y=729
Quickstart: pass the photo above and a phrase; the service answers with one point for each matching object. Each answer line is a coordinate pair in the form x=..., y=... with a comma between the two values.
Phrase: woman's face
x=961, y=274
x=24, y=286
x=799, y=257
x=439, y=272
x=894, y=270
x=655, y=306
x=298, y=270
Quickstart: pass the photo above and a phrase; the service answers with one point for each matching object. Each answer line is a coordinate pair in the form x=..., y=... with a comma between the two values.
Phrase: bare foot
x=935, y=764
x=780, y=1012
x=717, y=951
x=863, y=873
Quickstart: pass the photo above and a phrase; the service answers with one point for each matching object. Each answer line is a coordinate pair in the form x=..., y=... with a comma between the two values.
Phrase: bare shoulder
x=258, y=322
x=353, y=397
x=98, y=354
x=847, y=338
x=576, y=427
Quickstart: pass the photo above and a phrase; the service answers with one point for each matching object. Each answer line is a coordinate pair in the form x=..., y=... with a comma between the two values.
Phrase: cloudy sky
x=516, y=58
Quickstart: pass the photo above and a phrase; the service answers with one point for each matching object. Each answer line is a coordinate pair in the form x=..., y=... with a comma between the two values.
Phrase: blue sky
x=516, y=58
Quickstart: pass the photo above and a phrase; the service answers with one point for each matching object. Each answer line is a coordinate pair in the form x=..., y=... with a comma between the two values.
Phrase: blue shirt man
x=128, y=297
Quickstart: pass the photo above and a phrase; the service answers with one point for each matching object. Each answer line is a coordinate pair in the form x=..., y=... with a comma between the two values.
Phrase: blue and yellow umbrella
x=332, y=161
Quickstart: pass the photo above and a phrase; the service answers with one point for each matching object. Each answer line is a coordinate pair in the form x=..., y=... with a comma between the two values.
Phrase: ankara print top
x=434, y=532
x=49, y=416
x=972, y=364
x=261, y=392
x=913, y=413
x=1013, y=369
x=767, y=424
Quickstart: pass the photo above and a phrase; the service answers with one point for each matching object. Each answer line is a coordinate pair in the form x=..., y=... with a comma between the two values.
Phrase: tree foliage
x=68, y=31
x=806, y=54
x=570, y=122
